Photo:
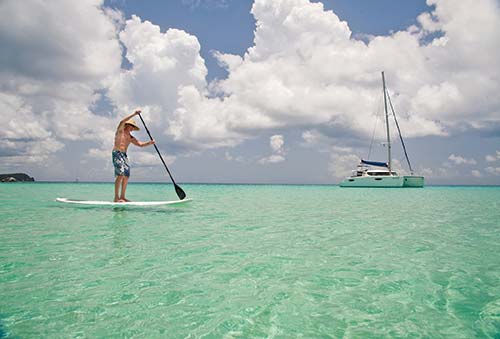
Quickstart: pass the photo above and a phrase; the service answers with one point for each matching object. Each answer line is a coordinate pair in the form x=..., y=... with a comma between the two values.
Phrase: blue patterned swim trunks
x=120, y=162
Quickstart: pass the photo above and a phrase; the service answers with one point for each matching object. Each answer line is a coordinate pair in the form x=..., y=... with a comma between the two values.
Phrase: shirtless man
x=123, y=138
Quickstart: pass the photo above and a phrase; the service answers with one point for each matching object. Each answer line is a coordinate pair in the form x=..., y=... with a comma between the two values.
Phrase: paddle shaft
x=177, y=188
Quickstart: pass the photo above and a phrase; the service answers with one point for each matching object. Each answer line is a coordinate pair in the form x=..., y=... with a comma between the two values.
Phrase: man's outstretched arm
x=142, y=144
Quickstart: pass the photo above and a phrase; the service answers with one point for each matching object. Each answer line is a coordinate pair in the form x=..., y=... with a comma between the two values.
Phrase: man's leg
x=124, y=188
x=118, y=183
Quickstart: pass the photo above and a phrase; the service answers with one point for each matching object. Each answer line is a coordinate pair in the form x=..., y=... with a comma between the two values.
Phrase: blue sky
x=228, y=25
x=284, y=91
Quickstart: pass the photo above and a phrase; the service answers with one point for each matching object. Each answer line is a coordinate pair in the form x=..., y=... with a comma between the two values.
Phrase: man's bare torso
x=123, y=139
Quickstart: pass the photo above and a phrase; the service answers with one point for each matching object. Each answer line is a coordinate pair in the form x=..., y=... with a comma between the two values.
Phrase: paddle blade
x=180, y=192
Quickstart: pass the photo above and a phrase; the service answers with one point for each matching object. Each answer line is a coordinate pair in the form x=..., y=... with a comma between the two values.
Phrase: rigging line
x=377, y=111
x=400, y=136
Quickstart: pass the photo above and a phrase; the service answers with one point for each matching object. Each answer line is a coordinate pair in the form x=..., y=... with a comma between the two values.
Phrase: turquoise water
x=250, y=261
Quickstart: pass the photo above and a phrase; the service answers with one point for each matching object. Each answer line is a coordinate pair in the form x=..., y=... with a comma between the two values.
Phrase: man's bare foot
x=120, y=200
x=124, y=200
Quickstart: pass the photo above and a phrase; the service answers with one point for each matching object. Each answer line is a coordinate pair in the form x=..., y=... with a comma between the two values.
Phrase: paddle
x=178, y=190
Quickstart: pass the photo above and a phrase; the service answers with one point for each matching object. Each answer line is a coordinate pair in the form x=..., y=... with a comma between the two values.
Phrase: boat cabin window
x=377, y=174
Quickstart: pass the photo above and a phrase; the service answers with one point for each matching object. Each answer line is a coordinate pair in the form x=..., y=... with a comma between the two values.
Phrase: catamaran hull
x=389, y=181
x=383, y=181
x=413, y=181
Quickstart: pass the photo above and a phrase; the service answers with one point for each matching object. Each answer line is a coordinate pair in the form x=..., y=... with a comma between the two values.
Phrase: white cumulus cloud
x=493, y=170
x=340, y=165
x=476, y=174
x=55, y=56
x=493, y=157
x=460, y=160
x=306, y=69
x=277, y=143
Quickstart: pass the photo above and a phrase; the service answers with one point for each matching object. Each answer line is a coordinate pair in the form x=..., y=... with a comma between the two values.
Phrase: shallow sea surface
x=250, y=261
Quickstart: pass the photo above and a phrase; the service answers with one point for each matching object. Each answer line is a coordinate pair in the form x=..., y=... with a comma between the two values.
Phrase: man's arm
x=141, y=144
x=130, y=116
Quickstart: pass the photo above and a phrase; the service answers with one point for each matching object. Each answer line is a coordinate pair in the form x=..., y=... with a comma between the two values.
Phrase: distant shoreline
x=15, y=177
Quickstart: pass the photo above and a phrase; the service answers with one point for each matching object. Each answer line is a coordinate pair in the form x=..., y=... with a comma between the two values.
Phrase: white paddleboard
x=121, y=204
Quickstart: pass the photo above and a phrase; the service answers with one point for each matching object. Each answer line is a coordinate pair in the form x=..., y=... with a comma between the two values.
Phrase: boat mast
x=387, y=126
x=399, y=132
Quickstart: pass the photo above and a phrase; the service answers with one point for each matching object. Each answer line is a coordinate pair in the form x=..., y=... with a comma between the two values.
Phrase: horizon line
x=230, y=183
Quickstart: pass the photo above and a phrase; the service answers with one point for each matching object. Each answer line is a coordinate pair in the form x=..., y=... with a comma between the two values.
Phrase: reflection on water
x=119, y=225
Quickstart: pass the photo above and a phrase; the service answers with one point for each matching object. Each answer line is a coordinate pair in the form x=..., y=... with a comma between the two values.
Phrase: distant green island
x=15, y=177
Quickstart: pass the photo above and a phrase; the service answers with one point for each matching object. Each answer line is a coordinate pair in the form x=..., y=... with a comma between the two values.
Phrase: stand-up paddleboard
x=121, y=204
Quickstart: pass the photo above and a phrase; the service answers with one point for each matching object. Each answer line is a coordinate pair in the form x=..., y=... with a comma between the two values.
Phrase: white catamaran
x=365, y=176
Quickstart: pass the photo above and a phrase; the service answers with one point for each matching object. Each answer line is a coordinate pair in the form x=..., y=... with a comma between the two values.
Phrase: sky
x=264, y=91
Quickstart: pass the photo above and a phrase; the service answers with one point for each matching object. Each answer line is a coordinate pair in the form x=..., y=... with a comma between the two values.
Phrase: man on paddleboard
x=123, y=138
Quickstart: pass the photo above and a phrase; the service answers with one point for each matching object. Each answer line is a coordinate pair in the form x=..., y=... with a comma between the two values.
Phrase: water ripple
x=251, y=262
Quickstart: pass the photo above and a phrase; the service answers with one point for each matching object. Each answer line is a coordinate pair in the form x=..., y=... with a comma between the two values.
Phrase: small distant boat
x=365, y=176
